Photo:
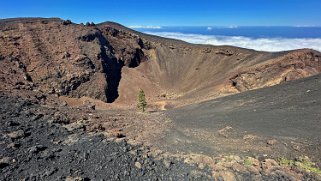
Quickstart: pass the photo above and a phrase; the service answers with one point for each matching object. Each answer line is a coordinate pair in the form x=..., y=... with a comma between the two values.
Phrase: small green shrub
x=247, y=162
x=286, y=162
x=141, y=105
x=302, y=163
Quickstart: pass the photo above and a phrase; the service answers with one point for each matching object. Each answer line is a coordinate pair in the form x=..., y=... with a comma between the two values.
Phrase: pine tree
x=141, y=105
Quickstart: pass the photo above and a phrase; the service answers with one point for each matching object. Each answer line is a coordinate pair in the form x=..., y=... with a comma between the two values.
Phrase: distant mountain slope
x=110, y=62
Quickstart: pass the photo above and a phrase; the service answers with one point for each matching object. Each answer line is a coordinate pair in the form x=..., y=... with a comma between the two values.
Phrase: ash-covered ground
x=36, y=146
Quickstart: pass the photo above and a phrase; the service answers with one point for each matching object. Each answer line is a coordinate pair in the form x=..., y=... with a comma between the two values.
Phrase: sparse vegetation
x=247, y=162
x=286, y=162
x=302, y=162
x=141, y=105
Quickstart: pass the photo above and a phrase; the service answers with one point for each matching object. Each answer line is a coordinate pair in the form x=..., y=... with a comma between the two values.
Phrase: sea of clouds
x=144, y=27
x=262, y=44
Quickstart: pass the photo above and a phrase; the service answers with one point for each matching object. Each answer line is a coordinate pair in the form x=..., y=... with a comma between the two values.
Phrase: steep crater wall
x=49, y=56
x=111, y=63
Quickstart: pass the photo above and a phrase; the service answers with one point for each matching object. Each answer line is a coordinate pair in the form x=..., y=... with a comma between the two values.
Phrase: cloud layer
x=145, y=27
x=262, y=44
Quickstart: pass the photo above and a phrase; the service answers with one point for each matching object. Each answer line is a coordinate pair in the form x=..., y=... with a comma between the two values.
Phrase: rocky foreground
x=36, y=145
x=41, y=142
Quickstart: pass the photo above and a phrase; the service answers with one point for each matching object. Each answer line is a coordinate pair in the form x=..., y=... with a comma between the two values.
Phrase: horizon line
x=218, y=26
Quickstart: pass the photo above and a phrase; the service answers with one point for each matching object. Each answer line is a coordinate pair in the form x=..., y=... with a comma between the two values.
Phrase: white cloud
x=263, y=44
x=232, y=26
x=305, y=26
x=145, y=27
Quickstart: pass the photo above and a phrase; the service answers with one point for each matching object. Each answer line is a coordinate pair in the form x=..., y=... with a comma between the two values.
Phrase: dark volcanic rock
x=66, y=22
x=17, y=134
x=40, y=157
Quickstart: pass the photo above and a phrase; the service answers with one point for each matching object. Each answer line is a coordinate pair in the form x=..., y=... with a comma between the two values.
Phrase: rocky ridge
x=111, y=63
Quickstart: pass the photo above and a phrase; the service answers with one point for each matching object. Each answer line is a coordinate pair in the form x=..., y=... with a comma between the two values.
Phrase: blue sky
x=171, y=12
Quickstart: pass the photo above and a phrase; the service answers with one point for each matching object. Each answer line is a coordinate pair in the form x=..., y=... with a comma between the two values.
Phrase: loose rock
x=17, y=134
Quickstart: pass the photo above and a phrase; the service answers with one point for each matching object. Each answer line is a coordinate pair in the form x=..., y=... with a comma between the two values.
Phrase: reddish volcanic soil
x=111, y=63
